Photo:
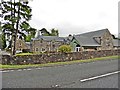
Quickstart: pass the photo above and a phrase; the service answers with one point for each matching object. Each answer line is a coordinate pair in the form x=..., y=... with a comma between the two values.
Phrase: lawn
x=57, y=63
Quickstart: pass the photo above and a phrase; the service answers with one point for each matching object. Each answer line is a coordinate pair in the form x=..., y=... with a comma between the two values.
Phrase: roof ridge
x=92, y=32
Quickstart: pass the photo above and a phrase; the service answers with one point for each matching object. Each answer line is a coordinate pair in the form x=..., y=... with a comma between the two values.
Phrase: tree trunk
x=12, y=32
x=17, y=27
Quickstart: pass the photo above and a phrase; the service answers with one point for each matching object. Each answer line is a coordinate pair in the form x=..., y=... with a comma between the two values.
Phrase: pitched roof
x=49, y=38
x=87, y=39
x=28, y=43
x=91, y=34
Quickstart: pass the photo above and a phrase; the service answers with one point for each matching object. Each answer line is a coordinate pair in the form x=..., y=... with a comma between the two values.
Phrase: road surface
x=99, y=74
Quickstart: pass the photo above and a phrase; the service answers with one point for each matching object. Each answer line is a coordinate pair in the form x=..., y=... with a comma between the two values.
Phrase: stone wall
x=56, y=57
x=44, y=46
x=106, y=41
x=21, y=45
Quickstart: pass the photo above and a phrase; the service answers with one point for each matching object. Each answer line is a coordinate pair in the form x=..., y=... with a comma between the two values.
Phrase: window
x=20, y=49
x=36, y=49
x=42, y=49
x=77, y=49
x=53, y=45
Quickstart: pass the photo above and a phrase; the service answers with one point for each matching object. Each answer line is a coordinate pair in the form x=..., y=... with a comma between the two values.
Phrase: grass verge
x=57, y=63
x=21, y=54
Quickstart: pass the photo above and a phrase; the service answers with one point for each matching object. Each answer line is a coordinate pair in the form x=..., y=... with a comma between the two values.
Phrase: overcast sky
x=75, y=16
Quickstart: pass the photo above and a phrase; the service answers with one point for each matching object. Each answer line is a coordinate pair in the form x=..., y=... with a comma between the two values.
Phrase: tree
x=28, y=38
x=2, y=38
x=64, y=48
x=113, y=36
x=16, y=15
x=30, y=34
x=53, y=32
x=3, y=41
x=44, y=32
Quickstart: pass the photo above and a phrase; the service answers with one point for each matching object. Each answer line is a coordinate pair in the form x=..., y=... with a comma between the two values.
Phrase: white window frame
x=77, y=49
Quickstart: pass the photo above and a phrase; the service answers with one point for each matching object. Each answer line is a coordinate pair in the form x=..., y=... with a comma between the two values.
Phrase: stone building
x=95, y=40
x=22, y=45
x=46, y=43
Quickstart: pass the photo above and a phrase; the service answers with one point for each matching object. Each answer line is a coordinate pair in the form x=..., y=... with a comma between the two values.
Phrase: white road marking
x=11, y=70
x=55, y=86
x=39, y=68
x=4, y=71
x=19, y=70
x=29, y=69
x=100, y=76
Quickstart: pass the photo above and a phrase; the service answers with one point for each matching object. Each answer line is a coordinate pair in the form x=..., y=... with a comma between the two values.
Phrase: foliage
x=16, y=15
x=113, y=36
x=28, y=38
x=31, y=33
x=64, y=48
x=3, y=41
x=0, y=27
x=0, y=41
x=22, y=54
x=53, y=32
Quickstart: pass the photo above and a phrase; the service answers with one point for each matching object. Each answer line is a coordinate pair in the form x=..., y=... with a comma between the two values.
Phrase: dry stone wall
x=56, y=57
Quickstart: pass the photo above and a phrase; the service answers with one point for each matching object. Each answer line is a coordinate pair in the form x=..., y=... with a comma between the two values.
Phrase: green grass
x=57, y=63
x=22, y=54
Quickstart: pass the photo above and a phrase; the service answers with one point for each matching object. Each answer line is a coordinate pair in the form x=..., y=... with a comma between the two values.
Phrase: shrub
x=64, y=48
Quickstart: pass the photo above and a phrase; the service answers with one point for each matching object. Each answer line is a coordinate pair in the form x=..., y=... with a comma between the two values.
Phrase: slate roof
x=87, y=39
x=92, y=34
x=68, y=39
x=50, y=38
x=28, y=43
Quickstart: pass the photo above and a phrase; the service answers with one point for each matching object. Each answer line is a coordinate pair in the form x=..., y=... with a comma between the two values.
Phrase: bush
x=64, y=48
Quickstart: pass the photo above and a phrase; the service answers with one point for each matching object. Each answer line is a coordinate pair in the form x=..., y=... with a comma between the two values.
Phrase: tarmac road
x=99, y=74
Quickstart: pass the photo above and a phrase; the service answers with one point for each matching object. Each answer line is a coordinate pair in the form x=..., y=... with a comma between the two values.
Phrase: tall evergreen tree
x=16, y=15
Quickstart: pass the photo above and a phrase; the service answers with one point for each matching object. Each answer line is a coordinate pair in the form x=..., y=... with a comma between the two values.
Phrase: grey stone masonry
x=56, y=57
